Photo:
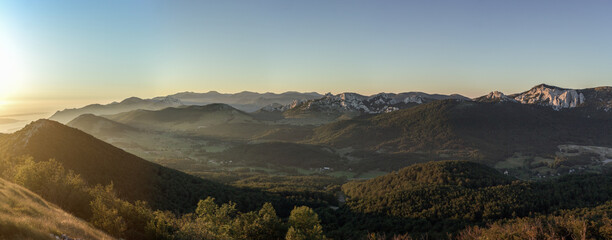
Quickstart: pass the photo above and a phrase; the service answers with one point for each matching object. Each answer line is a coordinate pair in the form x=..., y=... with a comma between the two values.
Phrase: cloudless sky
x=94, y=51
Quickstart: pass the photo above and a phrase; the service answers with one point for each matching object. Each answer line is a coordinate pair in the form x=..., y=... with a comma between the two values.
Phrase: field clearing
x=346, y=174
x=537, y=160
x=371, y=174
x=513, y=162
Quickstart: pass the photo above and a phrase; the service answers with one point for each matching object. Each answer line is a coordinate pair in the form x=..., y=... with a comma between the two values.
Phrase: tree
x=258, y=225
x=304, y=225
x=105, y=215
x=53, y=182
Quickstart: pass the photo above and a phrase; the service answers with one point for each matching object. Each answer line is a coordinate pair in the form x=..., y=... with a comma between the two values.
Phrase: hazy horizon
x=97, y=141
x=100, y=51
x=48, y=105
x=68, y=54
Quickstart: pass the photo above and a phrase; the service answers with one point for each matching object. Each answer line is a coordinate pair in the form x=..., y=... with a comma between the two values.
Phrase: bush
x=304, y=225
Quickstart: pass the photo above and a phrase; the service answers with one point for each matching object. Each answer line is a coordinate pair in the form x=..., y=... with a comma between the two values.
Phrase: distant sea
x=12, y=123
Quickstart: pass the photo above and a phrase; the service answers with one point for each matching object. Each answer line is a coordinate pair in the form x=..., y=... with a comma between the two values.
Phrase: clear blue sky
x=115, y=49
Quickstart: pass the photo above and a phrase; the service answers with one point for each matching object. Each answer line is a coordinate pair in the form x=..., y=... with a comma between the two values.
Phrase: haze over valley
x=326, y=152
x=305, y=120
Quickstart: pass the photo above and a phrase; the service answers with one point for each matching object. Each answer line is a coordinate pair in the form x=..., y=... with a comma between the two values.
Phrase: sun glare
x=3, y=103
x=11, y=65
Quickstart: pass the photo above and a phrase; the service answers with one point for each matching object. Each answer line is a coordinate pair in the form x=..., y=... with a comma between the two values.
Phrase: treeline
x=581, y=223
x=542, y=227
x=439, y=198
x=136, y=220
x=483, y=132
x=281, y=154
x=311, y=190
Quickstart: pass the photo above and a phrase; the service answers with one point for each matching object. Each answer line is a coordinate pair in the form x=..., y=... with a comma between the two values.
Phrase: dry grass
x=24, y=215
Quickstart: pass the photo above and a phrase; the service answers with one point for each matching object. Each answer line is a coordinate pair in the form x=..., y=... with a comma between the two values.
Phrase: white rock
x=557, y=98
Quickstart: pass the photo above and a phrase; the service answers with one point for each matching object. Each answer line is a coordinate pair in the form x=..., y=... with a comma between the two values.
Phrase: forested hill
x=447, y=196
x=134, y=178
x=459, y=173
x=473, y=130
x=185, y=118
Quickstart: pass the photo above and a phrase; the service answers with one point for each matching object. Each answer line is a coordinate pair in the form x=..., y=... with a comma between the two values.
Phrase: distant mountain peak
x=214, y=107
x=357, y=103
x=556, y=97
x=34, y=126
x=495, y=96
x=168, y=100
x=245, y=101
x=132, y=100
x=543, y=85
x=128, y=104
x=26, y=133
x=277, y=107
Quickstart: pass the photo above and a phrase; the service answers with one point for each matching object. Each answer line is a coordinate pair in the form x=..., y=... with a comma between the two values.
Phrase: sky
x=70, y=53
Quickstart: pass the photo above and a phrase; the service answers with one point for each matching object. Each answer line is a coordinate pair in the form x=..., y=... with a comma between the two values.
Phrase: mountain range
x=183, y=118
x=384, y=163
x=599, y=98
x=320, y=109
x=127, y=104
x=470, y=130
x=488, y=129
x=245, y=101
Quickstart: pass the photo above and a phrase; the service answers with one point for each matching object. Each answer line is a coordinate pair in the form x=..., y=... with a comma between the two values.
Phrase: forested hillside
x=444, y=197
x=485, y=132
x=134, y=178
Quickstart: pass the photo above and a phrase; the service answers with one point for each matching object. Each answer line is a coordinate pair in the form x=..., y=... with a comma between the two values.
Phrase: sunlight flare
x=12, y=67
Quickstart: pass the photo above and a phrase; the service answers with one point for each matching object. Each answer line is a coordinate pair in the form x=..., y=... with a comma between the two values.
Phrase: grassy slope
x=24, y=215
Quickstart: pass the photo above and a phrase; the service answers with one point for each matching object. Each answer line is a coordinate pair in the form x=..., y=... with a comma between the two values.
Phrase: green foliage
x=583, y=159
x=212, y=221
x=313, y=190
x=434, y=199
x=460, y=173
x=136, y=220
x=98, y=162
x=50, y=180
x=161, y=225
x=118, y=217
x=304, y=225
x=550, y=227
x=216, y=219
x=261, y=225
x=104, y=215
x=487, y=132
x=275, y=154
